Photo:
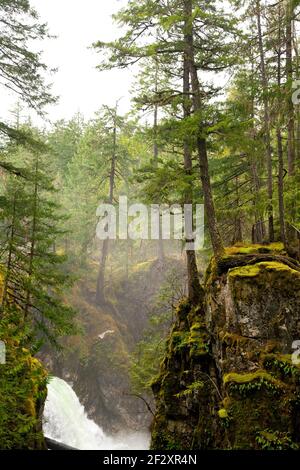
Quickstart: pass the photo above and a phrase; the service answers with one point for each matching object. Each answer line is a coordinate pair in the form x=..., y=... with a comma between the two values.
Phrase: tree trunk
x=289, y=81
x=33, y=238
x=10, y=254
x=297, y=106
x=281, y=189
x=161, y=254
x=216, y=239
x=113, y=163
x=155, y=123
x=195, y=292
x=297, y=156
x=267, y=122
x=100, y=293
x=258, y=229
x=238, y=230
x=282, y=223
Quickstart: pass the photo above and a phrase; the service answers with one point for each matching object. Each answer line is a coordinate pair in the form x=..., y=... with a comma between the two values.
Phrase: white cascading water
x=66, y=421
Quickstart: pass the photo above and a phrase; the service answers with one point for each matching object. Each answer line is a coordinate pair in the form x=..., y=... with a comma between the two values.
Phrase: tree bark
x=258, y=229
x=216, y=239
x=100, y=294
x=238, y=230
x=281, y=205
x=289, y=81
x=267, y=122
x=297, y=106
x=33, y=238
x=10, y=255
x=281, y=189
x=155, y=123
x=195, y=291
x=100, y=290
x=161, y=254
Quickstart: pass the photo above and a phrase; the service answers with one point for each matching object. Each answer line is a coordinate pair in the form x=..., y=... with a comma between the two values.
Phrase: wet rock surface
x=228, y=380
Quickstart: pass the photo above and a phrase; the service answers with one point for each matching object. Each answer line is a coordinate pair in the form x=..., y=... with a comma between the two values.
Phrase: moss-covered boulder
x=228, y=380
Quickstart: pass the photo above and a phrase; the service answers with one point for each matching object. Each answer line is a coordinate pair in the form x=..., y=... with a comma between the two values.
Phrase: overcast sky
x=81, y=87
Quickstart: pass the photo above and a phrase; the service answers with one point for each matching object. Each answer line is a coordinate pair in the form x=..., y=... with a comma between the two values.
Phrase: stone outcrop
x=228, y=380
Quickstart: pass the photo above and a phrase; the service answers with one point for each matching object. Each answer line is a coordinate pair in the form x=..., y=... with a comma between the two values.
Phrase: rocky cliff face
x=228, y=380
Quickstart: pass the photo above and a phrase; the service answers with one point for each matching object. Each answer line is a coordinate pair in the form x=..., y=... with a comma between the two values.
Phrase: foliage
x=34, y=273
x=148, y=353
x=23, y=391
x=275, y=440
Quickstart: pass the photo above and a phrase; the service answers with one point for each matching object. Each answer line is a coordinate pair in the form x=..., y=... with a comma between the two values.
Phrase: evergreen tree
x=34, y=273
x=21, y=69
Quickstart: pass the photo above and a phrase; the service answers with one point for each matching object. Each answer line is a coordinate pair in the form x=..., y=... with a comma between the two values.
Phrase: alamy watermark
x=296, y=354
x=153, y=222
x=296, y=93
x=2, y=353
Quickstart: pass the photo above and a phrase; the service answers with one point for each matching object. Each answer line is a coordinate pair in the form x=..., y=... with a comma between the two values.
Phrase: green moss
x=246, y=383
x=281, y=363
x=199, y=340
x=179, y=340
x=223, y=413
x=195, y=340
x=183, y=309
x=276, y=266
x=245, y=271
x=244, y=249
x=22, y=394
x=243, y=378
x=248, y=414
x=211, y=272
x=197, y=326
x=262, y=273
x=163, y=440
x=194, y=387
x=274, y=440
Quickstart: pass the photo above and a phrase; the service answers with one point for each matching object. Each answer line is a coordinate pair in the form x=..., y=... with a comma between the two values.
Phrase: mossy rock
x=255, y=270
x=247, y=382
x=244, y=249
x=281, y=365
x=236, y=345
x=275, y=440
x=23, y=391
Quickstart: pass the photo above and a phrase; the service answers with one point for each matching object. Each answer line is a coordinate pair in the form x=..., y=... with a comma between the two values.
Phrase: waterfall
x=66, y=421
